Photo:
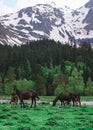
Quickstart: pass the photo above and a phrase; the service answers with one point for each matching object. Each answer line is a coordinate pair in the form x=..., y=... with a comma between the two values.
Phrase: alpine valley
x=46, y=21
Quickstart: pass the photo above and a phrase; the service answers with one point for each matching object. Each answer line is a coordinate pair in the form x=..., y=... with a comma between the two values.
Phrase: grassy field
x=46, y=117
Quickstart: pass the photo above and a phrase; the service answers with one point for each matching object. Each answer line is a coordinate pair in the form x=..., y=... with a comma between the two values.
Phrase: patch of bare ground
x=46, y=102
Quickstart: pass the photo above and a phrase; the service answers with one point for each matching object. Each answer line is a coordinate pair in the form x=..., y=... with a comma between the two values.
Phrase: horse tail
x=37, y=95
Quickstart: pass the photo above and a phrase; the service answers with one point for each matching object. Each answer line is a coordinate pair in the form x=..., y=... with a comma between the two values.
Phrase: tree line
x=47, y=66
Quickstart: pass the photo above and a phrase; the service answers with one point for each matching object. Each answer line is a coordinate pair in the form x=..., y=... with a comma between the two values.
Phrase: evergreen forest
x=48, y=67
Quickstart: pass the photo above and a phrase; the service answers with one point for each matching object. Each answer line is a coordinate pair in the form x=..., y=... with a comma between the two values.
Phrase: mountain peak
x=53, y=4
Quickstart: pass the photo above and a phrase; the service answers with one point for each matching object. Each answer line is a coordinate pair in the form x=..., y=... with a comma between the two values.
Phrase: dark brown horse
x=25, y=95
x=67, y=97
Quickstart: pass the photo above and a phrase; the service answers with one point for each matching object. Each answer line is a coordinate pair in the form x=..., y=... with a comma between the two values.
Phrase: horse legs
x=31, y=102
x=64, y=103
x=73, y=102
x=22, y=103
x=61, y=103
x=34, y=102
x=79, y=103
x=68, y=102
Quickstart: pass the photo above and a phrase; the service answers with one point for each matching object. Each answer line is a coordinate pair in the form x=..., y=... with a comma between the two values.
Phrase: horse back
x=25, y=95
x=65, y=96
x=28, y=94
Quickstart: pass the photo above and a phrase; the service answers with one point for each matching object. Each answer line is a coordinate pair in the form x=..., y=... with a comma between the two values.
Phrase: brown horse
x=67, y=97
x=25, y=95
x=77, y=99
x=14, y=99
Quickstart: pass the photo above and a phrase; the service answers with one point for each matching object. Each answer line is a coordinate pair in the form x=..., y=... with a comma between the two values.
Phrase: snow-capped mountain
x=47, y=21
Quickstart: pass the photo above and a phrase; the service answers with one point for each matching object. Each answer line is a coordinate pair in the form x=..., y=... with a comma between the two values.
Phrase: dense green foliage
x=48, y=67
x=46, y=117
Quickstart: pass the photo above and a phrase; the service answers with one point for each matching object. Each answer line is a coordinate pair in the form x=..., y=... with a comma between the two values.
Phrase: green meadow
x=46, y=117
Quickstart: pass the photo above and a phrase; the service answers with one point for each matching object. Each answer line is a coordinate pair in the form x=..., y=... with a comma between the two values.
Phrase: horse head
x=54, y=103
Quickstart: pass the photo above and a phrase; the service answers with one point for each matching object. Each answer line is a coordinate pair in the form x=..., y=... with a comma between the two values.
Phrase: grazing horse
x=68, y=97
x=14, y=99
x=25, y=95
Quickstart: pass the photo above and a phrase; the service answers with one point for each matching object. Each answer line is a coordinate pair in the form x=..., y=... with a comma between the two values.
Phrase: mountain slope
x=81, y=21
x=46, y=21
